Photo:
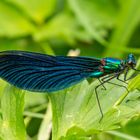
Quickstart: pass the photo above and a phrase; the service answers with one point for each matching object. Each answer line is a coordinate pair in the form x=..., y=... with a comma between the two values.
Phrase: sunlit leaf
x=38, y=10
x=95, y=16
x=127, y=21
x=13, y=23
x=63, y=26
x=46, y=125
x=12, y=105
x=76, y=113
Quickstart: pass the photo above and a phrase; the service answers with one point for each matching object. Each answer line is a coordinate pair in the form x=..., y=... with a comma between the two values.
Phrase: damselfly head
x=131, y=61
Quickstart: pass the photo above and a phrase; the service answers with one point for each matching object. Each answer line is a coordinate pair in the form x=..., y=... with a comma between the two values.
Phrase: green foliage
x=13, y=24
x=98, y=28
x=127, y=21
x=76, y=113
x=36, y=10
x=94, y=17
x=11, y=123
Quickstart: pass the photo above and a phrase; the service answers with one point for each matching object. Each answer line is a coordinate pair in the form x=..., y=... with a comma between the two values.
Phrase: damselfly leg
x=97, y=97
x=101, y=83
x=104, y=80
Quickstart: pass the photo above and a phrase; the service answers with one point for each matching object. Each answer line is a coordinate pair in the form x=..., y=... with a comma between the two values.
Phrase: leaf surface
x=76, y=113
x=11, y=123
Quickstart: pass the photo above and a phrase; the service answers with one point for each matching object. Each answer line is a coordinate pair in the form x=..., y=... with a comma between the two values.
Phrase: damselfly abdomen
x=45, y=73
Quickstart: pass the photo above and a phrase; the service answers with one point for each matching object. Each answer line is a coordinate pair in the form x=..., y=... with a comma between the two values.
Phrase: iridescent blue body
x=45, y=73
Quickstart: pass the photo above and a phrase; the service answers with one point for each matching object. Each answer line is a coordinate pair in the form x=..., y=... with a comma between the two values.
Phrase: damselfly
x=45, y=73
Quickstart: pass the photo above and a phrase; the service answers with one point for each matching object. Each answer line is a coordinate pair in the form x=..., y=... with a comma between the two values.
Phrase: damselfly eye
x=131, y=60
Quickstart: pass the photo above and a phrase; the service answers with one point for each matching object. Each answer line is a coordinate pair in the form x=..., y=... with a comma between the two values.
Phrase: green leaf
x=37, y=10
x=122, y=135
x=128, y=20
x=46, y=125
x=63, y=26
x=12, y=105
x=132, y=128
x=2, y=86
x=76, y=113
x=12, y=23
x=95, y=16
x=37, y=99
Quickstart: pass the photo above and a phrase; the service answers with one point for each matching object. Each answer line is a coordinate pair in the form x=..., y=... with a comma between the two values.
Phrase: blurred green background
x=96, y=28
